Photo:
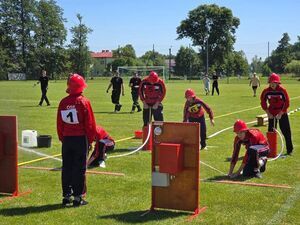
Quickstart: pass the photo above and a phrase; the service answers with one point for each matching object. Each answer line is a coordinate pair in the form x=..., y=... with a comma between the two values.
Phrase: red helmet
x=153, y=77
x=240, y=125
x=274, y=78
x=189, y=93
x=76, y=84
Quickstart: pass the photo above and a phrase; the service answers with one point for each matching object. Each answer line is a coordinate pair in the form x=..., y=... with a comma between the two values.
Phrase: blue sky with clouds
x=143, y=23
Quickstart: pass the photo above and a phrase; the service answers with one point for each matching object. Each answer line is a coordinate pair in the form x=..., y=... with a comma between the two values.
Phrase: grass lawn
x=121, y=200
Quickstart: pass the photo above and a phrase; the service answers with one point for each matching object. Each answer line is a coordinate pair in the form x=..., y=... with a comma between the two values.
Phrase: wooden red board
x=8, y=155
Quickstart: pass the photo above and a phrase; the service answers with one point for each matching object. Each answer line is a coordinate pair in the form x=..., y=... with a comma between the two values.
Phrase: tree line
x=33, y=38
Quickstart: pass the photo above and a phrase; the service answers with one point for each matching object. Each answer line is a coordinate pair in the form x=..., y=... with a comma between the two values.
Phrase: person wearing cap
x=116, y=83
x=76, y=129
x=257, y=149
x=152, y=91
x=275, y=102
x=104, y=143
x=134, y=83
x=206, y=83
x=254, y=81
x=194, y=112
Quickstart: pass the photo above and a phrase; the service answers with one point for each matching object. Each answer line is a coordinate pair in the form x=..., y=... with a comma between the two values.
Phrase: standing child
x=275, y=101
x=194, y=112
x=257, y=149
x=134, y=83
x=152, y=91
x=206, y=82
x=104, y=143
x=76, y=129
x=117, y=83
x=255, y=83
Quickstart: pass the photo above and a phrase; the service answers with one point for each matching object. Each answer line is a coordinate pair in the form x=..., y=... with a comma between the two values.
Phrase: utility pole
x=268, y=49
x=170, y=55
x=207, y=56
x=190, y=62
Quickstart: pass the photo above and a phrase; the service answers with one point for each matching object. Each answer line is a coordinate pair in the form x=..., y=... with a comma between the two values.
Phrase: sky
x=144, y=23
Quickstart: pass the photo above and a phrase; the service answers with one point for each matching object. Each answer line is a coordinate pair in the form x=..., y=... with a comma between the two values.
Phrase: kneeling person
x=104, y=143
x=257, y=149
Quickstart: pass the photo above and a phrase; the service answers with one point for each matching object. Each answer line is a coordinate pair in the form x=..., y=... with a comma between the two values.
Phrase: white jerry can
x=29, y=138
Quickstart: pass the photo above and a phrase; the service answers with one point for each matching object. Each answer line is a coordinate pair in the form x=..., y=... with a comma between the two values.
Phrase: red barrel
x=148, y=145
x=272, y=139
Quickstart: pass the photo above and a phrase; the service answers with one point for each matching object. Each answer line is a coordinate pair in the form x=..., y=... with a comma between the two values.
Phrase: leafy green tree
x=79, y=53
x=281, y=56
x=17, y=22
x=293, y=67
x=256, y=64
x=296, y=49
x=50, y=35
x=212, y=28
x=236, y=64
x=153, y=58
x=188, y=62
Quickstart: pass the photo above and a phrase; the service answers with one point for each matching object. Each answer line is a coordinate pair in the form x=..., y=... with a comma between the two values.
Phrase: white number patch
x=69, y=116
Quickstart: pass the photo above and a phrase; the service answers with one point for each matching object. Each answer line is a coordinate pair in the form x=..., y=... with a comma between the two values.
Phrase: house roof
x=102, y=54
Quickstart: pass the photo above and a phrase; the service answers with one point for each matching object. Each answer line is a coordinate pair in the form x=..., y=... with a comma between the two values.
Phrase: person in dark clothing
x=134, y=83
x=275, y=101
x=194, y=112
x=43, y=80
x=257, y=149
x=76, y=129
x=116, y=83
x=215, y=84
x=152, y=91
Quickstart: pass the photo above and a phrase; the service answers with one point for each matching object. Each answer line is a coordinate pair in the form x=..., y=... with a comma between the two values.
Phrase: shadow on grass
x=37, y=106
x=112, y=113
x=136, y=216
x=21, y=211
x=218, y=178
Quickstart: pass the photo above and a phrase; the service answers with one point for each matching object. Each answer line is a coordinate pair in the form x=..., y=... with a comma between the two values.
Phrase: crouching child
x=257, y=149
x=104, y=143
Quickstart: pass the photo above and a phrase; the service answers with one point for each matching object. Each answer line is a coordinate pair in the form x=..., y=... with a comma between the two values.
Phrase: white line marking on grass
x=38, y=153
x=283, y=210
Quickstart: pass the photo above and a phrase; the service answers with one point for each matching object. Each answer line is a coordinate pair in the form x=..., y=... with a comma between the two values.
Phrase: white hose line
x=39, y=153
x=136, y=150
x=213, y=168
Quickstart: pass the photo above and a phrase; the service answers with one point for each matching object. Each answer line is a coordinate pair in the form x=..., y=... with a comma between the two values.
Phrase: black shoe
x=66, y=201
x=48, y=104
x=139, y=109
x=79, y=202
x=289, y=153
x=119, y=107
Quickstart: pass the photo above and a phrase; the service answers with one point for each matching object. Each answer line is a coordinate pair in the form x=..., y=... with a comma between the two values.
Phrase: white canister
x=29, y=138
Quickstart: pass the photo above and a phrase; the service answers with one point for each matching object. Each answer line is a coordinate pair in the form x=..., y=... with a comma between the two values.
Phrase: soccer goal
x=128, y=71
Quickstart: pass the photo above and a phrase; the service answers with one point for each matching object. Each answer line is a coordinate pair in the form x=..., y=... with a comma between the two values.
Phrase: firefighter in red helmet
x=194, y=112
x=76, y=129
x=276, y=101
x=257, y=149
x=152, y=91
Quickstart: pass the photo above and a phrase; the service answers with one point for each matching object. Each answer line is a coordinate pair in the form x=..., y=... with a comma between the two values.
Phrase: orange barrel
x=148, y=145
x=272, y=139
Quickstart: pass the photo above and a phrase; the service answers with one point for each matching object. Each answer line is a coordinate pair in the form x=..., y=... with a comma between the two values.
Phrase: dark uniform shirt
x=215, y=78
x=44, y=82
x=117, y=83
x=135, y=83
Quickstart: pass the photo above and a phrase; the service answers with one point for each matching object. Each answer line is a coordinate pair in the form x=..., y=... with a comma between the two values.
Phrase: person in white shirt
x=255, y=83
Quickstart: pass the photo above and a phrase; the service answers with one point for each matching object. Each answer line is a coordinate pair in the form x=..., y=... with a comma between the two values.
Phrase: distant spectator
x=117, y=83
x=134, y=83
x=255, y=83
x=206, y=83
x=43, y=80
x=215, y=84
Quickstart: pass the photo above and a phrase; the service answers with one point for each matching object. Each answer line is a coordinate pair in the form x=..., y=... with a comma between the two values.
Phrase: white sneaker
x=102, y=164
x=260, y=163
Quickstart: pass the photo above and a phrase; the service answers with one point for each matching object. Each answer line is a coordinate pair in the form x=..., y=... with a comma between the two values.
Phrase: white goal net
x=128, y=71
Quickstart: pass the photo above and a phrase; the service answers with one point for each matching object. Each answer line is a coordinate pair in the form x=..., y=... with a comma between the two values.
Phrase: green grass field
x=121, y=200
